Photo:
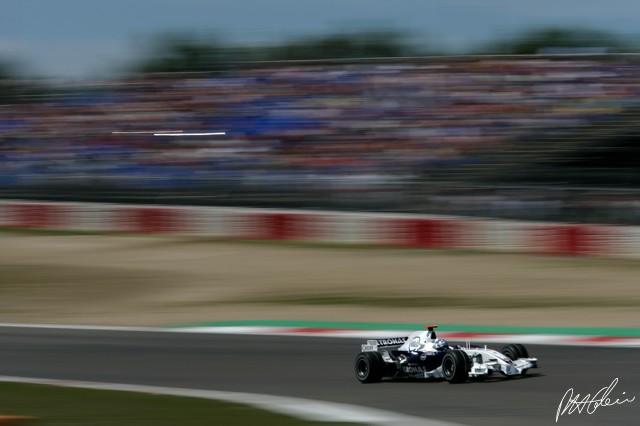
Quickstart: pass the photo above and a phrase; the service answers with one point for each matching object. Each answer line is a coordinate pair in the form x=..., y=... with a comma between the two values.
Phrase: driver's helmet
x=440, y=345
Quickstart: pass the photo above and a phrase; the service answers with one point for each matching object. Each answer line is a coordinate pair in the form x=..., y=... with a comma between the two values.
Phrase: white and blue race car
x=422, y=355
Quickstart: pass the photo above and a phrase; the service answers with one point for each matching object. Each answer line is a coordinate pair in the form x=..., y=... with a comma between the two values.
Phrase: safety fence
x=380, y=229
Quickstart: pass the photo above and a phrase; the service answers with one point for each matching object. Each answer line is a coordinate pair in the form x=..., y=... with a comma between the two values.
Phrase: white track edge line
x=307, y=409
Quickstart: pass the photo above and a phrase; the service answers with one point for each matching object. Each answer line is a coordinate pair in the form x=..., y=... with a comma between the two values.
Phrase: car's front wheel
x=515, y=351
x=369, y=367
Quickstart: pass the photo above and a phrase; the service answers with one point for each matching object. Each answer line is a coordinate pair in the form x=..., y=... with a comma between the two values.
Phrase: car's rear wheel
x=455, y=366
x=369, y=367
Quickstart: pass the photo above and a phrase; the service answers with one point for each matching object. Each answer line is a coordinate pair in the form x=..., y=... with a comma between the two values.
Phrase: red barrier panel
x=429, y=233
x=36, y=215
x=151, y=220
x=571, y=239
x=282, y=226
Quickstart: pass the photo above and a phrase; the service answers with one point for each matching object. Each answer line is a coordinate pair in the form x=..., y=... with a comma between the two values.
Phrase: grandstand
x=517, y=137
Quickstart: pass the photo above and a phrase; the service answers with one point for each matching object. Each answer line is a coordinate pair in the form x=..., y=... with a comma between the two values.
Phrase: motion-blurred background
x=302, y=166
x=536, y=122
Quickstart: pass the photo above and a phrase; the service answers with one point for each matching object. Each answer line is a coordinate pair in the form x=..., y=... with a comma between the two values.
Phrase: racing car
x=422, y=355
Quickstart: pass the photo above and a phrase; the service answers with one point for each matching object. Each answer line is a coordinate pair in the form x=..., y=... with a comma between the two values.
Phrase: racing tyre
x=515, y=351
x=523, y=351
x=455, y=366
x=520, y=352
x=369, y=367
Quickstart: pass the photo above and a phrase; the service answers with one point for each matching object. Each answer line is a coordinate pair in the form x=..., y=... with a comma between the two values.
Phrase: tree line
x=188, y=53
x=182, y=53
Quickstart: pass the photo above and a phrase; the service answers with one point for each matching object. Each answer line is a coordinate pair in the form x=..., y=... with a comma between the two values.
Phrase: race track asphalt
x=322, y=368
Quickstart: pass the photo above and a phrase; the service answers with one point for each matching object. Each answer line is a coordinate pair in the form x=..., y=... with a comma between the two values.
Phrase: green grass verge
x=58, y=406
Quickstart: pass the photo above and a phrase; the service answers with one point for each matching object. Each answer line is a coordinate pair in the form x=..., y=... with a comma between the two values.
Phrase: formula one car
x=422, y=355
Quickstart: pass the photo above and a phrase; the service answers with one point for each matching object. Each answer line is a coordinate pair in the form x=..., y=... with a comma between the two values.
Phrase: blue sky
x=89, y=37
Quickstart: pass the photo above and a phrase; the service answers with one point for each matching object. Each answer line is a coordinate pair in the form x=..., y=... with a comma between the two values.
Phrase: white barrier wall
x=403, y=230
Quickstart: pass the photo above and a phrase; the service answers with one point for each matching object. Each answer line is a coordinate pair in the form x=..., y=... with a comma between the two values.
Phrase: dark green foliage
x=536, y=41
x=182, y=53
x=373, y=44
x=185, y=53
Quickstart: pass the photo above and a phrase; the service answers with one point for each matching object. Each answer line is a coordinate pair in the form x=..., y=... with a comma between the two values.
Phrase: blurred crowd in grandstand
x=369, y=129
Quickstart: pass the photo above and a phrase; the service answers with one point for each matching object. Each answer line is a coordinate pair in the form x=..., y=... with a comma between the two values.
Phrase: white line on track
x=307, y=409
